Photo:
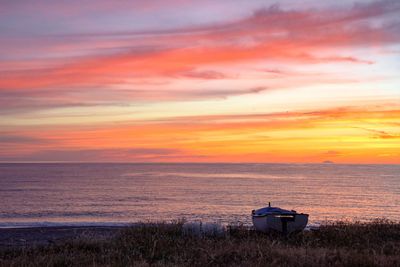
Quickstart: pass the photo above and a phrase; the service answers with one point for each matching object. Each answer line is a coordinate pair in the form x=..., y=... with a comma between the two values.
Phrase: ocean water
x=112, y=194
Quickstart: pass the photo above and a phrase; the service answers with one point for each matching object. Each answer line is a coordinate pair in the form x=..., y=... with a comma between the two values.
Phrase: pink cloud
x=62, y=70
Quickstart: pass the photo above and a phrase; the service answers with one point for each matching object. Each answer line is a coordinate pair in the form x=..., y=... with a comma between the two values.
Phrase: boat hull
x=284, y=223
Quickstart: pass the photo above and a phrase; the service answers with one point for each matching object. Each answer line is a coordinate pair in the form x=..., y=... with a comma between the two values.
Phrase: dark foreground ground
x=340, y=244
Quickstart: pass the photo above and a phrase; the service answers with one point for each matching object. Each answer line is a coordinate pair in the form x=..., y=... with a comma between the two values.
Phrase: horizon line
x=188, y=162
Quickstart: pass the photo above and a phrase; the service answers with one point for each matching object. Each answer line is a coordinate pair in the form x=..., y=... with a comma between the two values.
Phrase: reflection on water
x=115, y=193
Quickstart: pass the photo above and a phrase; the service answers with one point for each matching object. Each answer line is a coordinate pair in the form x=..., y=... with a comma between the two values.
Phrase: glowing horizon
x=200, y=81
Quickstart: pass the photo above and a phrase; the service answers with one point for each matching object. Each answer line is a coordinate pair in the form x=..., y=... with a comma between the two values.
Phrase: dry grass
x=340, y=244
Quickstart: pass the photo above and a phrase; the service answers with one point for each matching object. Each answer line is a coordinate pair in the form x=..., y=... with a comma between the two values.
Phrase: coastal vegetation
x=375, y=243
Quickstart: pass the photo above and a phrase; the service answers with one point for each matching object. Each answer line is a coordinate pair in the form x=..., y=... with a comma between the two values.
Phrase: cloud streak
x=95, y=155
x=302, y=136
x=382, y=134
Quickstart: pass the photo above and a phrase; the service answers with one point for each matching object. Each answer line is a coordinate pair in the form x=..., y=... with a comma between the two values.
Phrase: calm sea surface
x=51, y=194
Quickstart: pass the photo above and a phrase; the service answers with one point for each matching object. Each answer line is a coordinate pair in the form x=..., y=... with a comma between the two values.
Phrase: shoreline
x=45, y=225
x=28, y=236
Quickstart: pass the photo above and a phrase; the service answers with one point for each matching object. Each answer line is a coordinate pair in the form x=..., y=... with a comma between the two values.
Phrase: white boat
x=276, y=219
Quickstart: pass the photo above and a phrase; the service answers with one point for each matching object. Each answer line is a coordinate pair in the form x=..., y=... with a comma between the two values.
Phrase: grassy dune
x=340, y=244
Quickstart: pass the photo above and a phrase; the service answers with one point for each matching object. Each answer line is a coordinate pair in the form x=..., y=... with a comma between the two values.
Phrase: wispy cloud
x=95, y=155
x=381, y=134
x=103, y=61
x=10, y=139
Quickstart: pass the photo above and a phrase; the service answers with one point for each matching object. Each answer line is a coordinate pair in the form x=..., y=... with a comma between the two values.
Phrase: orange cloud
x=294, y=136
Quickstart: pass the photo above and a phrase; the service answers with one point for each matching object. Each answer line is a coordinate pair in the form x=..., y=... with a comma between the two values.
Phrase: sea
x=61, y=194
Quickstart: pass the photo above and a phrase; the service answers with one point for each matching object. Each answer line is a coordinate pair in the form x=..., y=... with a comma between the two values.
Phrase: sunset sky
x=200, y=81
